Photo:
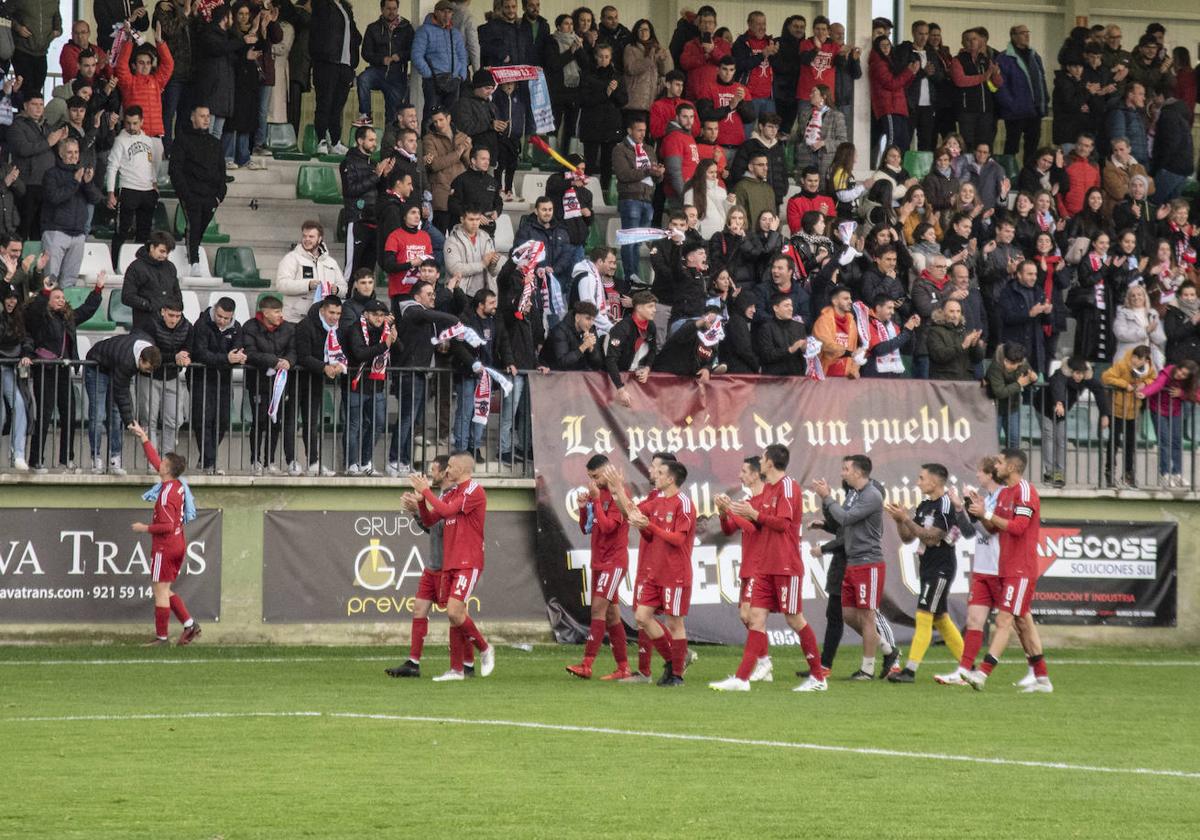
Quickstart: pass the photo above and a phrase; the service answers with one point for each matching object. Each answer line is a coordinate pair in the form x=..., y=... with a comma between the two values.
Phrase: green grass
x=325, y=776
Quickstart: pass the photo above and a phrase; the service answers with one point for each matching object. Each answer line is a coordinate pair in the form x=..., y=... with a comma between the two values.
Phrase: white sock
x=1044, y=680
x=189, y=622
x=912, y=666
x=885, y=648
x=868, y=664
x=764, y=660
x=1030, y=674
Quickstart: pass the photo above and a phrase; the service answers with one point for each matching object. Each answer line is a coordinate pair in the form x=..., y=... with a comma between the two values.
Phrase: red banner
x=514, y=73
x=899, y=424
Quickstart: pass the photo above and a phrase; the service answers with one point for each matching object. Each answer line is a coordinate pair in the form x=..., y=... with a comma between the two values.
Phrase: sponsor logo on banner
x=86, y=564
x=343, y=566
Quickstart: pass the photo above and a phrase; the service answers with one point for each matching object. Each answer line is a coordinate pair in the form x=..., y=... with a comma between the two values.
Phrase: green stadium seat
x=917, y=163
x=237, y=267
x=118, y=312
x=1011, y=167
x=258, y=300
x=319, y=184
x=31, y=248
x=281, y=137
x=76, y=295
x=212, y=234
x=1191, y=190
x=789, y=156
x=308, y=141
x=160, y=217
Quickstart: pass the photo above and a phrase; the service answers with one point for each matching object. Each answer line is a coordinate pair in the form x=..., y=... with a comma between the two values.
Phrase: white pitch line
x=627, y=733
x=276, y=660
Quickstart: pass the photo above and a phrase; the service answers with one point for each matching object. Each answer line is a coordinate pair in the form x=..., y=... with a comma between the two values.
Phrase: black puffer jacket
x=170, y=341
x=265, y=347
x=416, y=327
x=360, y=186
x=379, y=41
x=621, y=349
x=474, y=190
x=602, y=121
x=327, y=32
x=149, y=285
x=772, y=339
x=210, y=348
x=198, y=168
x=310, y=345
x=526, y=333
x=115, y=357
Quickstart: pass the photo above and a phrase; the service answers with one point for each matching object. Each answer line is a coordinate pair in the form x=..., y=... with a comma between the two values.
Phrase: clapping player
x=168, y=548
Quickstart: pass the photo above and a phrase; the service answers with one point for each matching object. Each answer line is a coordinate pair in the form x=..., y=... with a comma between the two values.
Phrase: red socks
x=180, y=609
x=812, y=652
x=1039, y=665
x=644, y=653
x=594, y=640
x=989, y=662
x=972, y=642
x=420, y=627
x=162, y=620
x=616, y=638
x=663, y=645
x=679, y=650
x=471, y=632
x=456, y=649
x=756, y=646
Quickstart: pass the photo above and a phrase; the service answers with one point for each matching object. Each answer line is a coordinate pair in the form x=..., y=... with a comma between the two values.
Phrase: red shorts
x=1016, y=594
x=777, y=593
x=165, y=565
x=862, y=587
x=460, y=583
x=672, y=600
x=985, y=590
x=606, y=584
x=746, y=596
x=432, y=587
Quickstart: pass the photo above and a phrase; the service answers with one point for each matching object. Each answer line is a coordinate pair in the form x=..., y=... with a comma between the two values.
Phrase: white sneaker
x=636, y=678
x=256, y=165
x=763, y=670
x=256, y=468
x=634, y=281
x=114, y=466
x=194, y=270
x=294, y=468
x=338, y=148
x=1039, y=686
x=20, y=465
x=487, y=661
x=450, y=676
x=1029, y=679
x=313, y=469
x=955, y=677
x=812, y=684
x=354, y=469
x=323, y=147
x=1180, y=482
x=976, y=679
x=97, y=463
x=366, y=469
x=393, y=469
x=730, y=684
x=328, y=472
x=231, y=165
x=273, y=469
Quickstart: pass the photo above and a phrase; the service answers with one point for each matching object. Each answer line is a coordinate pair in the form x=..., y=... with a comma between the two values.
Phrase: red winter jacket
x=145, y=91
x=888, y=87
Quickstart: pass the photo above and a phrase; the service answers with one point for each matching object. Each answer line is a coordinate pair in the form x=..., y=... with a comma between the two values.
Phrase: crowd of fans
x=1058, y=267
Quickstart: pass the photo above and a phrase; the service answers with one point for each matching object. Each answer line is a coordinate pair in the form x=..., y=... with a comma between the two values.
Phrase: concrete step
x=282, y=218
x=261, y=190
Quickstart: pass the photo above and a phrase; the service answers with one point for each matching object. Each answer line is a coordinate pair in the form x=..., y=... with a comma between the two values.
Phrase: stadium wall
x=243, y=508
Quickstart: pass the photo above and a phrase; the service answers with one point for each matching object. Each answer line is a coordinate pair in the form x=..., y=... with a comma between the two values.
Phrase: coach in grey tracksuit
x=860, y=519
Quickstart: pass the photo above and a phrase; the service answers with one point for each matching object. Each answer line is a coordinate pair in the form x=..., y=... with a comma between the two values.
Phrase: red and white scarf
x=872, y=331
x=1049, y=263
x=333, y=347
x=483, y=394
x=460, y=331
x=527, y=256
x=571, y=208
x=812, y=131
x=641, y=160
x=379, y=363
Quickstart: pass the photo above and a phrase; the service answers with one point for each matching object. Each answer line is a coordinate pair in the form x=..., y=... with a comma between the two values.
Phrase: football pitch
x=267, y=742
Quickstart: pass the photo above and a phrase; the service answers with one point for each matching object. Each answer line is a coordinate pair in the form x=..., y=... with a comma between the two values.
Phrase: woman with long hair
x=940, y=183
x=1175, y=385
x=1185, y=80
x=1164, y=276
x=846, y=191
x=763, y=241
x=730, y=247
x=914, y=211
x=16, y=356
x=945, y=94
x=564, y=66
x=1054, y=278
x=820, y=130
x=1090, y=220
x=889, y=100
x=711, y=200
x=645, y=62
x=1093, y=303
x=1136, y=323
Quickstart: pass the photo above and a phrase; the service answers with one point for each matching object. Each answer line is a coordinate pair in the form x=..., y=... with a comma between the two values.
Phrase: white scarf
x=333, y=347
x=379, y=363
x=872, y=331
x=812, y=131
x=483, y=394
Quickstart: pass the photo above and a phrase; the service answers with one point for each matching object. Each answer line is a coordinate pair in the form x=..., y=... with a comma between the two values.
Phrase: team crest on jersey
x=670, y=517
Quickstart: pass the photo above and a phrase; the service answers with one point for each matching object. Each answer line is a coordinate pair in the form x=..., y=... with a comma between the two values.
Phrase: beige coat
x=644, y=75
x=277, y=109
x=450, y=157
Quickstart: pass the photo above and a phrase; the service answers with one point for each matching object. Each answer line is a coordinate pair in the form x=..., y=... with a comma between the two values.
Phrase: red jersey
x=818, y=71
x=609, y=530
x=407, y=250
x=731, y=522
x=731, y=131
x=464, y=508
x=667, y=540
x=682, y=145
x=799, y=204
x=166, y=528
x=761, y=80
x=1021, y=507
x=662, y=112
x=779, y=529
x=700, y=68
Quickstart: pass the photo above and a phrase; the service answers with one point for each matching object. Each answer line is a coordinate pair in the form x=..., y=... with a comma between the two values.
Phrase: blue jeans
x=98, y=386
x=11, y=394
x=236, y=147
x=633, y=214
x=508, y=408
x=920, y=367
x=393, y=84
x=1167, y=185
x=1170, y=444
x=172, y=95
x=1009, y=428
x=217, y=127
x=264, y=106
x=412, y=416
x=364, y=413
x=468, y=435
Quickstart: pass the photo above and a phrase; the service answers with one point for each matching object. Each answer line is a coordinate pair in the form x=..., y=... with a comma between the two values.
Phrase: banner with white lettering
x=333, y=565
x=86, y=564
x=1115, y=573
x=710, y=428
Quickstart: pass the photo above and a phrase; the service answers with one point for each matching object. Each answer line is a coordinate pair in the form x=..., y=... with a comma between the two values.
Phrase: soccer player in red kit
x=779, y=572
x=600, y=517
x=463, y=508
x=668, y=526
x=167, y=545
x=1017, y=518
x=616, y=484
x=752, y=480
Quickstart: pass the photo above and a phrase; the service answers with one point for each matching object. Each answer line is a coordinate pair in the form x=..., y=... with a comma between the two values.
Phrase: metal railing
x=220, y=419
